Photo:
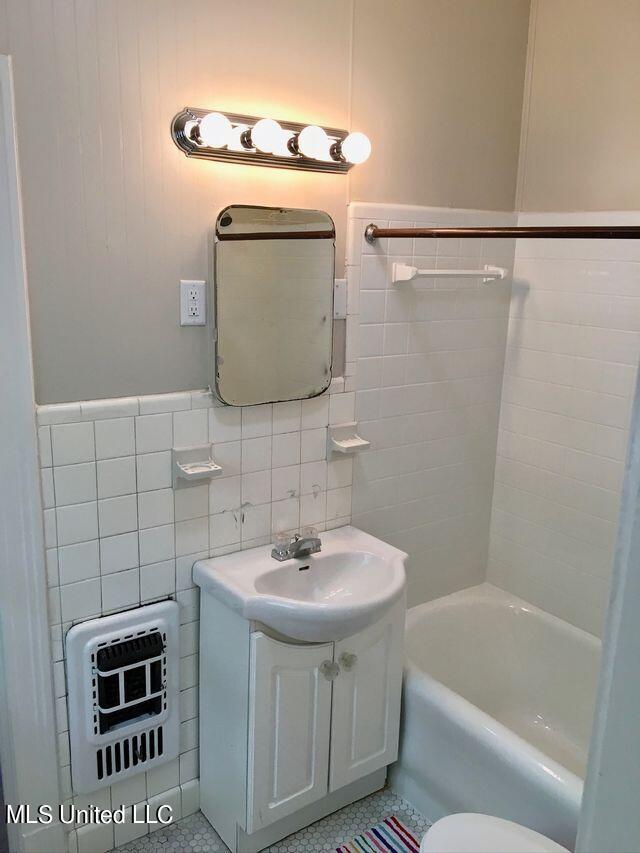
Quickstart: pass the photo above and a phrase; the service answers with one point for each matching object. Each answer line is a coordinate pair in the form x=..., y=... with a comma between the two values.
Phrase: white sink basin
x=323, y=597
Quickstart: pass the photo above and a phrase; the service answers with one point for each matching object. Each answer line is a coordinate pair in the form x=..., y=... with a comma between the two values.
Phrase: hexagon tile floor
x=195, y=834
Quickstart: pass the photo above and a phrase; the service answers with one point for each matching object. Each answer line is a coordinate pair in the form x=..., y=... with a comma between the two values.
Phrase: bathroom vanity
x=300, y=682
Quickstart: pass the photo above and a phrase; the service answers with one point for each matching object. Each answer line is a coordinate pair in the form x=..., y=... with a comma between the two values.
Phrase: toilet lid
x=479, y=833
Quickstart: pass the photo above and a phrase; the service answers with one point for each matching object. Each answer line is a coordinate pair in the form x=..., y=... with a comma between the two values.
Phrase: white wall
x=115, y=214
x=581, y=117
x=572, y=353
x=429, y=373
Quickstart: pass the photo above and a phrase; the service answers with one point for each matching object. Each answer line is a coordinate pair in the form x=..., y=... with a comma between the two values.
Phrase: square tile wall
x=572, y=354
x=430, y=357
x=118, y=535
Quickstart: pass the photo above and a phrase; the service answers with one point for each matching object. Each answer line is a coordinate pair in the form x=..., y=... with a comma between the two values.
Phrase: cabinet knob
x=348, y=660
x=329, y=669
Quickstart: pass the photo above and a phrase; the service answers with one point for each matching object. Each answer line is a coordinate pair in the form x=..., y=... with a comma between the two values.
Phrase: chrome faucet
x=297, y=546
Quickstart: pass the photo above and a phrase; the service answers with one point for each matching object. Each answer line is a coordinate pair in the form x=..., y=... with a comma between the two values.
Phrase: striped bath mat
x=390, y=836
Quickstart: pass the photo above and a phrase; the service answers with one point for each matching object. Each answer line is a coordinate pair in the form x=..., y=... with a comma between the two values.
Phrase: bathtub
x=497, y=706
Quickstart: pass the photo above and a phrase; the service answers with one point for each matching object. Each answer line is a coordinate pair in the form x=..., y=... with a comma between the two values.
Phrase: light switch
x=193, y=309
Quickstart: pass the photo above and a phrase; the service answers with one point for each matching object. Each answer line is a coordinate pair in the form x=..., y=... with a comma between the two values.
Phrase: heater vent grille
x=131, y=752
x=123, y=694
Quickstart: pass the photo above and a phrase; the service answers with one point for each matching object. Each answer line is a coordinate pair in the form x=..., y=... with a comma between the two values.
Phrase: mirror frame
x=330, y=235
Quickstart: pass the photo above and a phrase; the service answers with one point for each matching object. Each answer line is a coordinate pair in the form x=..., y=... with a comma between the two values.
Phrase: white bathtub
x=498, y=700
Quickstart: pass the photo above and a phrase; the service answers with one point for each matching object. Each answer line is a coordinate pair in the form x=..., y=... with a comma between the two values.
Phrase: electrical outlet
x=193, y=309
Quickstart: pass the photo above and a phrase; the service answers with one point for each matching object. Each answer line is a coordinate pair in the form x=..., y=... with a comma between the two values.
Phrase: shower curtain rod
x=575, y=232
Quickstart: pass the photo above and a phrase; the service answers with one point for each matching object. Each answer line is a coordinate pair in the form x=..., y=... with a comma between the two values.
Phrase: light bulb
x=281, y=148
x=214, y=130
x=235, y=141
x=356, y=148
x=266, y=134
x=313, y=142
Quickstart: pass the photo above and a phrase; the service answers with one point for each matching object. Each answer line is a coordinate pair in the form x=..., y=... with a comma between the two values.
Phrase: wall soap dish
x=193, y=465
x=343, y=438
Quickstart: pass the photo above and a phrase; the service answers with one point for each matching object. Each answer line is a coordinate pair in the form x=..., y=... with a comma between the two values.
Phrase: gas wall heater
x=123, y=686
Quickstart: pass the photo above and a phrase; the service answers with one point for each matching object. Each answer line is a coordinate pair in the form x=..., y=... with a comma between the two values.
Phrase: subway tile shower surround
x=572, y=354
x=429, y=374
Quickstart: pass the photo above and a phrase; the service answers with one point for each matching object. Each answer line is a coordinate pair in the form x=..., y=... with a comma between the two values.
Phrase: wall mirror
x=273, y=304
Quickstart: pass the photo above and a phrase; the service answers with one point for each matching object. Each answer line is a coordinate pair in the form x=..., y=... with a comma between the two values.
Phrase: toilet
x=480, y=833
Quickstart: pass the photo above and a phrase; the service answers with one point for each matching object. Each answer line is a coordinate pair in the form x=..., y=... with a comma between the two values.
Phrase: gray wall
x=582, y=115
x=115, y=215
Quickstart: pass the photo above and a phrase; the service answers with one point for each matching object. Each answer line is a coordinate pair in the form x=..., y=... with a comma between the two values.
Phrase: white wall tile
x=313, y=477
x=153, y=432
x=256, y=487
x=315, y=412
x=118, y=515
x=157, y=580
x=192, y=502
x=52, y=566
x=256, y=454
x=77, y=523
x=72, y=443
x=286, y=449
x=154, y=404
x=563, y=432
x=116, y=477
x=191, y=429
x=225, y=494
x=256, y=522
x=153, y=471
x=338, y=503
x=50, y=528
x=228, y=455
x=149, y=534
x=285, y=482
x=155, y=508
x=257, y=421
x=285, y=515
x=192, y=535
x=225, y=424
x=157, y=544
x=75, y=483
x=190, y=797
x=287, y=416
x=44, y=446
x=118, y=553
x=120, y=590
x=342, y=408
x=46, y=485
x=224, y=529
x=313, y=445
x=80, y=600
x=79, y=562
x=115, y=437
x=163, y=778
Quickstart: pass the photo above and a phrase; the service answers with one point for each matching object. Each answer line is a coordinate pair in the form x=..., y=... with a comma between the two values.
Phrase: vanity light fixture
x=238, y=138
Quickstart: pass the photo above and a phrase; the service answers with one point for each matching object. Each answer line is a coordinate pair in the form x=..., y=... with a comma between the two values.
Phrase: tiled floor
x=196, y=835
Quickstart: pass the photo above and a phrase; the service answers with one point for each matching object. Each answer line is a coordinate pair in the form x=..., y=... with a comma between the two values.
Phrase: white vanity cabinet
x=292, y=731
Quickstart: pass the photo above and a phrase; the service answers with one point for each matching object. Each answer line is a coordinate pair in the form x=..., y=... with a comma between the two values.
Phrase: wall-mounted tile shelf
x=193, y=465
x=343, y=438
x=405, y=272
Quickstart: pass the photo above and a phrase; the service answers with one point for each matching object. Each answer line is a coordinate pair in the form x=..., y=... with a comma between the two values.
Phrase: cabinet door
x=366, y=700
x=289, y=728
